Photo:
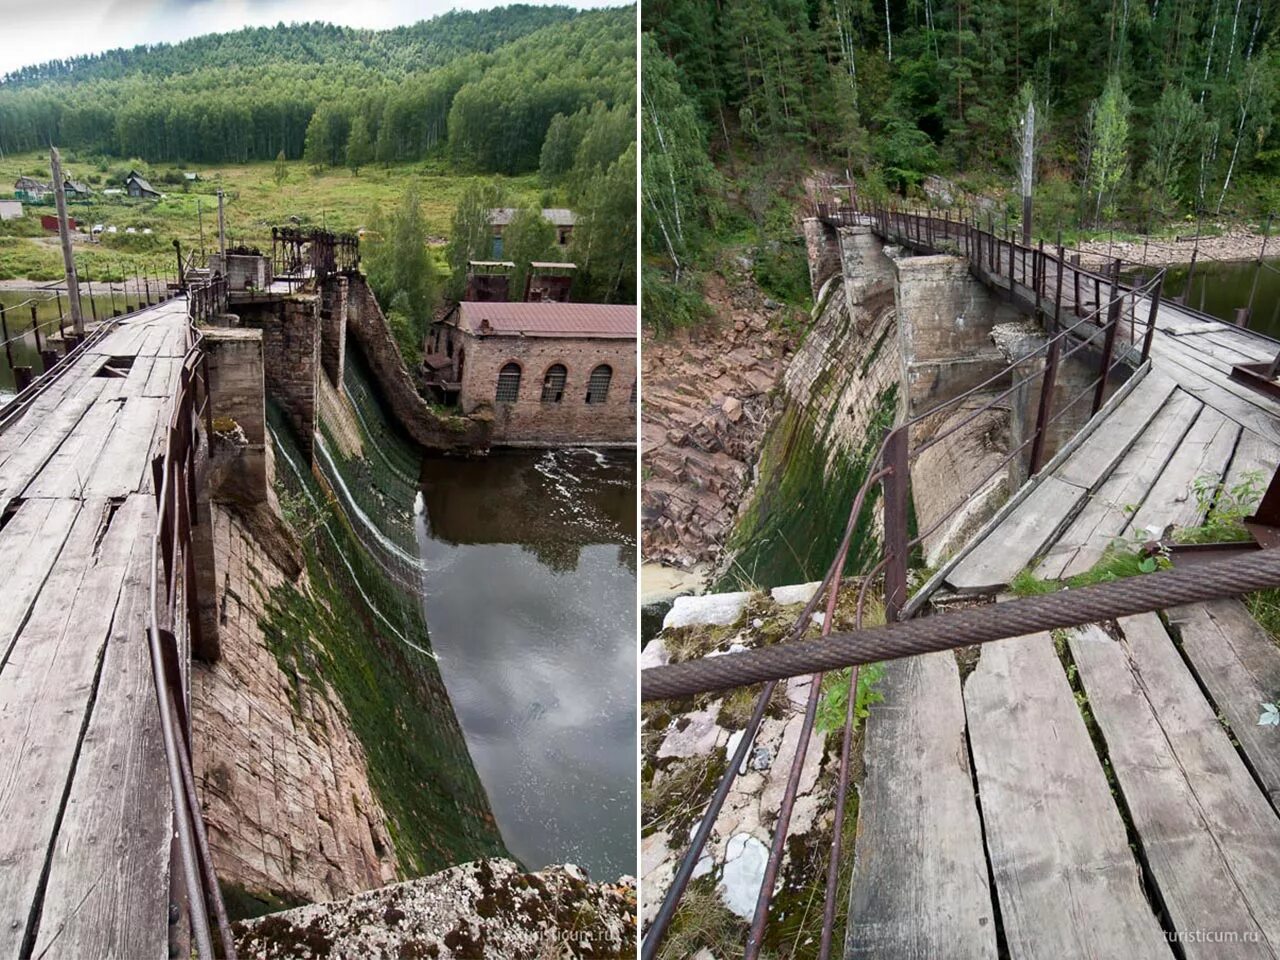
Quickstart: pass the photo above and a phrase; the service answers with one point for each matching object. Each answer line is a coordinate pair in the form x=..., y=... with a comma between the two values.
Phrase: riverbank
x=1233, y=245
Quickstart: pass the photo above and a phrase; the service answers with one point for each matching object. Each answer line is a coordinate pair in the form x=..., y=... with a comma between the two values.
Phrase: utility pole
x=222, y=232
x=64, y=234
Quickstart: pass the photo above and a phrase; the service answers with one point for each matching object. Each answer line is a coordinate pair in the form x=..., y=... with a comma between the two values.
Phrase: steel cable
x=1014, y=618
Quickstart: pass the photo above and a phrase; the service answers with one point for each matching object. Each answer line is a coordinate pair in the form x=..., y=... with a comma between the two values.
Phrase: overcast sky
x=33, y=32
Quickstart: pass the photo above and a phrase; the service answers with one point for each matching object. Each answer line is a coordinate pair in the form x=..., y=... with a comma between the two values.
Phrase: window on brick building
x=508, y=383
x=598, y=385
x=553, y=383
x=634, y=384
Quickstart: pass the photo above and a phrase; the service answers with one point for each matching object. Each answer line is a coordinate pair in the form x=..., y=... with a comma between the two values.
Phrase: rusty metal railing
x=298, y=255
x=174, y=620
x=1028, y=280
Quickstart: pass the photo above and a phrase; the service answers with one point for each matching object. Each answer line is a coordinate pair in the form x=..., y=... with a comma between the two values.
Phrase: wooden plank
x=46, y=690
x=125, y=459
x=1209, y=835
x=1246, y=347
x=1247, y=407
x=1067, y=881
x=920, y=887
x=35, y=534
x=68, y=472
x=164, y=377
x=1239, y=664
x=135, y=384
x=107, y=893
x=1181, y=809
x=1204, y=452
x=1254, y=454
x=1016, y=542
x=35, y=450
x=1094, y=459
x=1107, y=511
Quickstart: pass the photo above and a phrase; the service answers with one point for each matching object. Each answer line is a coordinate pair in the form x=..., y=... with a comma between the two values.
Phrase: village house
x=137, y=186
x=563, y=220
x=75, y=189
x=550, y=373
x=31, y=190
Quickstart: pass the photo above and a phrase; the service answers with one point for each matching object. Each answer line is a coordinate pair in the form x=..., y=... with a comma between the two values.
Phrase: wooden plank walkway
x=84, y=795
x=1127, y=795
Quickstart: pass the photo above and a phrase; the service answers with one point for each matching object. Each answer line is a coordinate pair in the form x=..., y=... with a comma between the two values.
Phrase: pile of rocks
x=707, y=400
x=735, y=856
x=489, y=908
x=1233, y=244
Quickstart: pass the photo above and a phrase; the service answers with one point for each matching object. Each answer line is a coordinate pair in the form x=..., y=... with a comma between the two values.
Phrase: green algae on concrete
x=792, y=527
x=364, y=635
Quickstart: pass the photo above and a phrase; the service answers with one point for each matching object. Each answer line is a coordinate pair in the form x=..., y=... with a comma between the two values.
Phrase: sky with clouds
x=35, y=32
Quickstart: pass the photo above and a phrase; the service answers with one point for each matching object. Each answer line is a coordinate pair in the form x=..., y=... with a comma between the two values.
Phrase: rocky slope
x=707, y=400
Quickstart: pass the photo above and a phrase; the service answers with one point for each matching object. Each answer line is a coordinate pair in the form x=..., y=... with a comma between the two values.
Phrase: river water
x=1219, y=288
x=530, y=601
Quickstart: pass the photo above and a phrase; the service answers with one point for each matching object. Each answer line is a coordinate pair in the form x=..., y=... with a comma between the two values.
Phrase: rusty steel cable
x=1013, y=618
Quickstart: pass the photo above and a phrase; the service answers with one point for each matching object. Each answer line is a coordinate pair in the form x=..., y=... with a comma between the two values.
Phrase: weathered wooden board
x=163, y=381
x=125, y=458
x=1246, y=406
x=1211, y=838
x=920, y=887
x=1107, y=511
x=1254, y=454
x=1178, y=800
x=1067, y=882
x=46, y=691
x=30, y=542
x=107, y=893
x=1247, y=347
x=1239, y=664
x=24, y=462
x=1204, y=451
x=68, y=472
x=1094, y=459
x=1009, y=548
x=135, y=384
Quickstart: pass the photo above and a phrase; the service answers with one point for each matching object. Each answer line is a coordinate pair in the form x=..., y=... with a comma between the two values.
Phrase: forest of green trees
x=483, y=86
x=1149, y=111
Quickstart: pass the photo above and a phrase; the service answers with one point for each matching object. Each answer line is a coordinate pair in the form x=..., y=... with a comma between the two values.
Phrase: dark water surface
x=1219, y=288
x=22, y=337
x=530, y=600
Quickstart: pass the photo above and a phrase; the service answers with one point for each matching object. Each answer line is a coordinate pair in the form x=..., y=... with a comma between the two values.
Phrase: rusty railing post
x=1150, y=333
x=1047, y=385
x=896, y=500
x=4, y=329
x=1109, y=339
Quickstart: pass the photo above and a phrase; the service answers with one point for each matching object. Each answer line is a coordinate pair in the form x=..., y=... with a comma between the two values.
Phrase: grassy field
x=334, y=198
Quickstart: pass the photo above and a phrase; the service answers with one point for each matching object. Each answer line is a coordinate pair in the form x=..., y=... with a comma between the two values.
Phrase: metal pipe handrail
x=171, y=550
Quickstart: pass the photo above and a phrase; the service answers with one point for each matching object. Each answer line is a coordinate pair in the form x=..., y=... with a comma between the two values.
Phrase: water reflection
x=530, y=601
x=1220, y=288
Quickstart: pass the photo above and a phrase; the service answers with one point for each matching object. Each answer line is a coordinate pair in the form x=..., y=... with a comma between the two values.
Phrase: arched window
x=598, y=385
x=553, y=383
x=508, y=383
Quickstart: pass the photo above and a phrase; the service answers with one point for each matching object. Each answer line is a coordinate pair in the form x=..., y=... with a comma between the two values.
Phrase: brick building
x=551, y=373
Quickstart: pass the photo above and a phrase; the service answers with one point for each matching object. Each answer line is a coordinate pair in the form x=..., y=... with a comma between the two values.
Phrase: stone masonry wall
x=427, y=428
x=282, y=779
x=333, y=329
x=850, y=357
x=291, y=348
x=822, y=244
x=945, y=319
x=530, y=421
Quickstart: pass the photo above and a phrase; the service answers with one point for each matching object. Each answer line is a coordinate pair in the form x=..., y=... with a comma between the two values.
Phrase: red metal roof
x=549, y=319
